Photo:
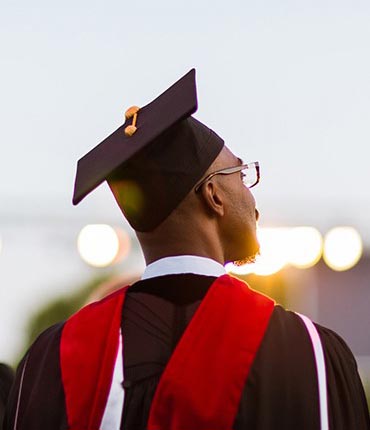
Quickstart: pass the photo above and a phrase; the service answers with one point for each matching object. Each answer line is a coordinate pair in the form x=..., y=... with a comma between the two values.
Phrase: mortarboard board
x=157, y=156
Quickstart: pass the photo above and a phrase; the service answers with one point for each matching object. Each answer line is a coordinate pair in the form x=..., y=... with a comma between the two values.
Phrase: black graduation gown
x=280, y=392
x=6, y=381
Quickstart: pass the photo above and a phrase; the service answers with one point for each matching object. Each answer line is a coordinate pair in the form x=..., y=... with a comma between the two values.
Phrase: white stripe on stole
x=321, y=372
x=113, y=410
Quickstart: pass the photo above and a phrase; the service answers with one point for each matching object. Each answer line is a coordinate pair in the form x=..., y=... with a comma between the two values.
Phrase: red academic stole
x=202, y=384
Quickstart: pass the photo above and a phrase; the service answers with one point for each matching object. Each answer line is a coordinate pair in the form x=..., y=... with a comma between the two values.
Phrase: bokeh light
x=100, y=245
x=302, y=247
x=273, y=256
x=305, y=246
x=342, y=248
x=274, y=251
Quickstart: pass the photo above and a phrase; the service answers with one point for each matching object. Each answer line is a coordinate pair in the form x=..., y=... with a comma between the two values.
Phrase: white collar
x=184, y=264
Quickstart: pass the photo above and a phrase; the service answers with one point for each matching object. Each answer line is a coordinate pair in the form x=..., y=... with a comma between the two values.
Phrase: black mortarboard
x=157, y=155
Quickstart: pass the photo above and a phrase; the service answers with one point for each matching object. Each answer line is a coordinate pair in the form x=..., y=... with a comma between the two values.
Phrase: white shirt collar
x=184, y=264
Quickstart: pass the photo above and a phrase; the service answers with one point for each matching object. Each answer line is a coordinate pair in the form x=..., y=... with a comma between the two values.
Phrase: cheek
x=241, y=210
x=247, y=205
x=249, y=198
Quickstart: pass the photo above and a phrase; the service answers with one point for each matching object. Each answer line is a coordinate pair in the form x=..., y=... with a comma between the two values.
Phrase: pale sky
x=286, y=83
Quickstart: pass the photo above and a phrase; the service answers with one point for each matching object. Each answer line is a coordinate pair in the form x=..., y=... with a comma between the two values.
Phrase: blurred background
x=285, y=83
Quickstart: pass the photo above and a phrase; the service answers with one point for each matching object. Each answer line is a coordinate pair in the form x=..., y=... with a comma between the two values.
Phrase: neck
x=156, y=246
x=151, y=256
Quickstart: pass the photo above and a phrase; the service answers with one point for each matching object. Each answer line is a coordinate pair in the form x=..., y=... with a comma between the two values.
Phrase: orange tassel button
x=131, y=113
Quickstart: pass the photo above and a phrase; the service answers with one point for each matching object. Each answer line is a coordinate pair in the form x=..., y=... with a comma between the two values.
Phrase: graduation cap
x=154, y=159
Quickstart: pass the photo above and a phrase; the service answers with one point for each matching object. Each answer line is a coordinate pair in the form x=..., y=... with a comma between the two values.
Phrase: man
x=187, y=346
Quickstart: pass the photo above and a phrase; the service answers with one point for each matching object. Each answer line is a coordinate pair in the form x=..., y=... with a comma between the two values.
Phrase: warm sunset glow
x=273, y=254
x=274, y=251
x=305, y=246
x=342, y=248
x=244, y=269
x=101, y=245
x=302, y=247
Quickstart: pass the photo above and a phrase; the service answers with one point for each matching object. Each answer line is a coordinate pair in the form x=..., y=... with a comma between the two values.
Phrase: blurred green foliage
x=366, y=383
x=60, y=309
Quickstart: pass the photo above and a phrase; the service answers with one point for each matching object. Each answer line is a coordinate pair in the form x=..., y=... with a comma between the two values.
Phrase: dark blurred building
x=338, y=300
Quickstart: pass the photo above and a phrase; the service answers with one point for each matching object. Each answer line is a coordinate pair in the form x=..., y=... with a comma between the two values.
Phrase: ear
x=213, y=198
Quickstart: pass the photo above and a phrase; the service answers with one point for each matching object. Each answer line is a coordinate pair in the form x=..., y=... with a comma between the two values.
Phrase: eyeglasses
x=250, y=174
